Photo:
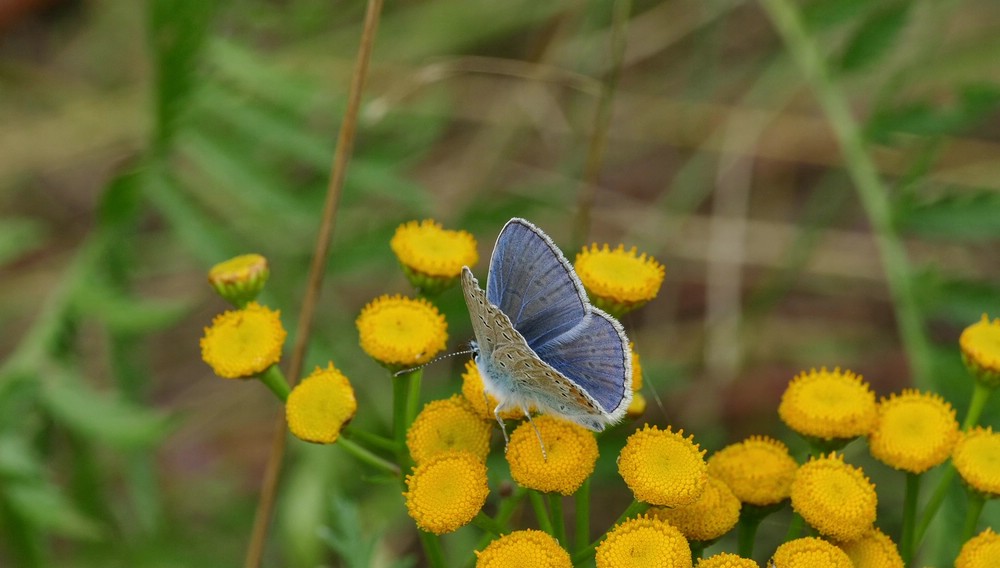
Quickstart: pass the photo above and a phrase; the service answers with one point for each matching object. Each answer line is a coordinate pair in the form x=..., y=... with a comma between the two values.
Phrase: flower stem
x=635, y=508
x=747, y=534
x=909, y=517
x=558, y=520
x=972, y=512
x=487, y=523
x=413, y=396
x=274, y=379
x=538, y=503
x=370, y=439
x=400, y=411
x=365, y=456
x=432, y=548
x=980, y=394
x=582, y=524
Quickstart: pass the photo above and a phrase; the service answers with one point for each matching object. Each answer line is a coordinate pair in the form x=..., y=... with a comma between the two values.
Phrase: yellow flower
x=644, y=542
x=828, y=405
x=977, y=459
x=810, y=552
x=243, y=343
x=637, y=407
x=914, y=431
x=446, y=492
x=239, y=279
x=483, y=404
x=571, y=452
x=980, y=551
x=759, y=470
x=618, y=280
x=714, y=514
x=446, y=426
x=834, y=497
x=636, y=369
x=320, y=406
x=874, y=550
x=433, y=257
x=980, y=343
x=402, y=332
x=726, y=560
x=528, y=548
x=662, y=467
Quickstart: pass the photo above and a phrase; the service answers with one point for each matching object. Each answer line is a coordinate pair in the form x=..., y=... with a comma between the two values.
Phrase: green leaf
x=927, y=118
x=120, y=203
x=17, y=459
x=19, y=235
x=957, y=216
x=875, y=36
x=45, y=506
x=829, y=13
x=960, y=302
x=127, y=314
x=97, y=415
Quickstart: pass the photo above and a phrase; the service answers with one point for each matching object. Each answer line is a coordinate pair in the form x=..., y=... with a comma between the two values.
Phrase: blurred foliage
x=147, y=141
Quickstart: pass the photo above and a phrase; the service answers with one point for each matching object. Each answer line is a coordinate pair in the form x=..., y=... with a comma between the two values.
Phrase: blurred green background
x=142, y=142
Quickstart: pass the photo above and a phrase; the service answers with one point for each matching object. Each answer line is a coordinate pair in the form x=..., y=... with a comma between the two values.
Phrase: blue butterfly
x=539, y=342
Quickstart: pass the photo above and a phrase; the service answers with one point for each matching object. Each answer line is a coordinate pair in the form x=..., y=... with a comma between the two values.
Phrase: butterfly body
x=539, y=343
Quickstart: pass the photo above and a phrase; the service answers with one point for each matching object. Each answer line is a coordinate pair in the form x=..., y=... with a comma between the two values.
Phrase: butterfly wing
x=534, y=285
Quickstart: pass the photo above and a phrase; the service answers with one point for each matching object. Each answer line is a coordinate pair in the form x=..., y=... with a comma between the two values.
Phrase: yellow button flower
x=431, y=256
x=980, y=551
x=980, y=343
x=446, y=426
x=483, y=404
x=874, y=550
x=834, y=497
x=977, y=459
x=240, y=279
x=810, y=552
x=637, y=407
x=636, y=369
x=571, y=452
x=662, y=467
x=402, y=332
x=446, y=492
x=644, y=542
x=914, y=432
x=243, y=343
x=828, y=404
x=714, y=514
x=618, y=280
x=319, y=406
x=759, y=470
x=726, y=560
x=527, y=548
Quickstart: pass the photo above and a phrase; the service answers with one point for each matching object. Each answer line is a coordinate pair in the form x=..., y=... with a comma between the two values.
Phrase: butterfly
x=539, y=342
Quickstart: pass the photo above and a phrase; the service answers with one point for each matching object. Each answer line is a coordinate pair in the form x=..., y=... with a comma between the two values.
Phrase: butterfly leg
x=545, y=456
x=503, y=427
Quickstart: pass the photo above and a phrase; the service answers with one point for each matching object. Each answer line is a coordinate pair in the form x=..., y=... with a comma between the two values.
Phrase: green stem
x=747, y=534
x=872, y=193
x=558, y=520
x=582, y=525
x=972, y=512
x=370, y=439
x=697, y=549
x=274, y=379
x=538, y=503
x=906, y=543
x=400, y=405
x=365, y=456
x=980, y=394
x=432, y=548
x=413, y=395
x=487, y=523
x=504, y=513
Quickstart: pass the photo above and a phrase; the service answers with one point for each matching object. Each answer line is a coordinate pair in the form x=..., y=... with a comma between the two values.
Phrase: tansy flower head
x=320, y=405
x=914, y=432
x=810, y=552
x=431, y=256
x=874, y=550
x=637, y=407
x=711, y=516
x=662, y=467
x=483, y=404
x=446, y=426
x=570, y=455
x=726, y=560
x=980, y=343
x=618, y=280
x=636, y=369
x=446, y=492
x=401, y=332
x=828, y=405
x=243, y=343
x=980, y=551
x=834, y=497
x=524, y=548
x=240, y=279
x=977, y=458
x=644, y=542
x=759, y=470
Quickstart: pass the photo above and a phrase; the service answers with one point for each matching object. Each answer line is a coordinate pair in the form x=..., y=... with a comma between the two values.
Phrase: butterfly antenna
x=434, y=360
